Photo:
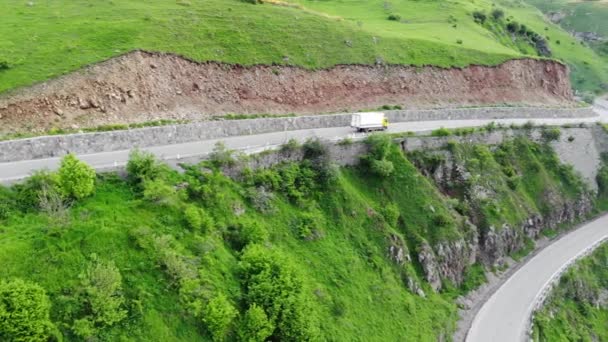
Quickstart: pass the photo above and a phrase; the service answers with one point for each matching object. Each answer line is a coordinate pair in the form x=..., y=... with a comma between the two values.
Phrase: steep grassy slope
x=589, y=69
x=577, y=309
x=40, y=40
x=300, y=251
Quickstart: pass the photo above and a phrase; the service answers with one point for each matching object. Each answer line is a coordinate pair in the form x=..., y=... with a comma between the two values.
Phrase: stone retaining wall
x=86, y=143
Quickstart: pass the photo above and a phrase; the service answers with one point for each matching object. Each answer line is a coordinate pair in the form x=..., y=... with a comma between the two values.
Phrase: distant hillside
x=41, y=40
x=587, y=20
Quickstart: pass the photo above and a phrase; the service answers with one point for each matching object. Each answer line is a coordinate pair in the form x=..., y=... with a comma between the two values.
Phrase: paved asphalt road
x=505, y=316
x=14, y=171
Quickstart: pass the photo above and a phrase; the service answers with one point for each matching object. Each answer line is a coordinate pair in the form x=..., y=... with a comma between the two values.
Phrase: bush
x=379, y=148
x=513, y=27
x=261, y=199
x=459, y=41
x=253, y=1
x=24, y=312
x=247, y=232
x=441, y=132
x=383, y=167
x=441, y=220
x=290, y=146
x=602, y=182
x=75, y=178
x=218, y=315
x=317, y=155
x=143, y=166
x=30, y=192
x=102, y=285
x=271, y=282
x=391, y=214
x=7, y=202
x=192, y=215
x=394, y=17
x=498, y=14
x=4, y=65
x=255, y=326
x=222, y=156
x=479, y=17
x=551, y=134
x=159, y=192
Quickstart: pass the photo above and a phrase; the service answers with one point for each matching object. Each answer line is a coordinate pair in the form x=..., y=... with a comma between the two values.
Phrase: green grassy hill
x=41, y=40
x=581, y=16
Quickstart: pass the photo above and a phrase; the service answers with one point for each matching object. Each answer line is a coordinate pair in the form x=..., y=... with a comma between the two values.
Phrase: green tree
x=255, y=327
x=274, y=284
x=24, y=312
x=76, y=178
x=218, y=316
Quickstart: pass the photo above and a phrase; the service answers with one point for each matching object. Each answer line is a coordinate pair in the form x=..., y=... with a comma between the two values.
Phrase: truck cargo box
x=366, y=122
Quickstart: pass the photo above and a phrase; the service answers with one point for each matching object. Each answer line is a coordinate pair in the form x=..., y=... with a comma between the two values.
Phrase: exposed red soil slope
x=142, y=86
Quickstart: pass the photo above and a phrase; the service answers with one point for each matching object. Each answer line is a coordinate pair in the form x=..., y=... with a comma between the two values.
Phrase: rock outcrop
x=488, y=245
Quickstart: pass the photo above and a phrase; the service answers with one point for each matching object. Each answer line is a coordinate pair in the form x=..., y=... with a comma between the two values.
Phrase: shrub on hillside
x=272, y=282
x=479, y=17
x=255, y=326
x=4, y=65
x=30, y=191
x=318, y=156
x=513, y=27
x=551, y=134
x=602, y=182
x=498, y=14
x=198, y=219
x=261, y=199
x=441, y=132
x=391, y=214
x=7, y=202
x=376, y=159
x=159, y=192
x=76, y=179
x=143, y=166
x=102, y=287
x=24, y=312
x=394, y=17
x=218, y=315
x=382, y=167
x=222, y=156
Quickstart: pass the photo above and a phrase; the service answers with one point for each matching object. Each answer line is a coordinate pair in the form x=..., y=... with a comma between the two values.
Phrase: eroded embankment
x=143, y=86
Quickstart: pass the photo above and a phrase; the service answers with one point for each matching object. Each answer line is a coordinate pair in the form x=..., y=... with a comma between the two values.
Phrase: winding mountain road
x=506, y=315
x=14, y=171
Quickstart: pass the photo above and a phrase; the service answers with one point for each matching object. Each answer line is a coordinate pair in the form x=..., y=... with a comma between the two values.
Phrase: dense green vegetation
x=40, y=40
x=299, y=251
x=577, y=309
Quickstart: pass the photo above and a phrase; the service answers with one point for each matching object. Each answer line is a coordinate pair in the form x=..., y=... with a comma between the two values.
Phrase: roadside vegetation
x=577, y=309
x=303, y=250
x=41, y=40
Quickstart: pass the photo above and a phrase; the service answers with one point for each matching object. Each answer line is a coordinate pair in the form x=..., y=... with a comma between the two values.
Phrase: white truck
x=367, y=122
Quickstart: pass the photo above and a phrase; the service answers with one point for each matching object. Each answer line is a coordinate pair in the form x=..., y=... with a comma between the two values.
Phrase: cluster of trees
x=515, y=29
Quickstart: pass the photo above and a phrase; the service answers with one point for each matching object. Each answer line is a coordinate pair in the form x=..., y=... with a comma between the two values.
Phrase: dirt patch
x=142, y=86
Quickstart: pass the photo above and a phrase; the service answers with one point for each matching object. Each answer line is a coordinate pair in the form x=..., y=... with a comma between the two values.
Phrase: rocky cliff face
x=483, y=243
x=143, y=86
